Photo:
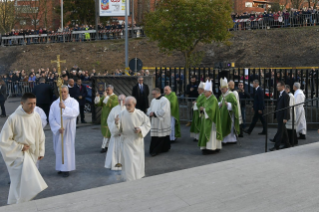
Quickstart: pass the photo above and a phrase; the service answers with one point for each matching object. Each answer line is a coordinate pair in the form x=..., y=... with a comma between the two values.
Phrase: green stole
x=225, y=115
x=106, y=109
x=196, y=123
x=172, y=98
x=211, y=109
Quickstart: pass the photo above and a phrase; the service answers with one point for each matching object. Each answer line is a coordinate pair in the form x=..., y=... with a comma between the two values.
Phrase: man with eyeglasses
x=141, y=93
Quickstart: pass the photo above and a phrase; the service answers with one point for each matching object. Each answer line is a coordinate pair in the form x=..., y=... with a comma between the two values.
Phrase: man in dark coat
x=258, y=109
x=3, y=97
x=282, y=118
x=73, y=90
x=141, y=92
x=44, y=95
x=80, y=97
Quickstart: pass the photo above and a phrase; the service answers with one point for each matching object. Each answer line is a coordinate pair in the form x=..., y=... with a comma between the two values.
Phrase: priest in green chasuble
x=210, y=137
x=228, y=108
x=175, y=125
x=196, y=123
x=107, y=102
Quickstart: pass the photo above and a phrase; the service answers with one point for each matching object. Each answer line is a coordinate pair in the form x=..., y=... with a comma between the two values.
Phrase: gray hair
x=121, y=97
x=130, y=98
x=64, y=86
x=169, y=87
x=297, y=85
x=110, y=86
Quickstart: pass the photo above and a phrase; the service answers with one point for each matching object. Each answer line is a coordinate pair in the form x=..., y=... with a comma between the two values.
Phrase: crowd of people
x=285, y=18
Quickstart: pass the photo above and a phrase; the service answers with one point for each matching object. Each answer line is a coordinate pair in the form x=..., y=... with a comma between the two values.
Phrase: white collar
x=257, y=87
x=281, y=92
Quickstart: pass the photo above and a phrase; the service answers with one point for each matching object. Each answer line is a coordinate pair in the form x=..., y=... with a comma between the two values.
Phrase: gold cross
x=58, y=62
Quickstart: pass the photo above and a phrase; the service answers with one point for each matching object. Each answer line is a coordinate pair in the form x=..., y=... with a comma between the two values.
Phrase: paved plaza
x=182, y=179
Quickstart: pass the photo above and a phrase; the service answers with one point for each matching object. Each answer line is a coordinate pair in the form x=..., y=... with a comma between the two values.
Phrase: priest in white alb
x=160, y=114
x=134, y=125
x=22, y=144
x=70, y=111
x=113, y=155
x=231, y=86
x=301, y=127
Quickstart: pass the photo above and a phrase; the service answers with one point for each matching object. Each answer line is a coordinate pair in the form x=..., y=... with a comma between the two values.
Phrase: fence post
x=293, y=126
x=266, y=144
x=93, y=98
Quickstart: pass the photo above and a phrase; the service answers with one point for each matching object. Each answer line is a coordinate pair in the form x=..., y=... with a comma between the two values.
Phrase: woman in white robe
x=69, y=114
x=113, y=155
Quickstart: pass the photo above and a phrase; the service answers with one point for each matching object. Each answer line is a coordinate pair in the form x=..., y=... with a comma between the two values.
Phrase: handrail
x=293, y=119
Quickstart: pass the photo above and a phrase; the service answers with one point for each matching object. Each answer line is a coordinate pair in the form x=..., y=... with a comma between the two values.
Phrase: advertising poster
x=112, y=7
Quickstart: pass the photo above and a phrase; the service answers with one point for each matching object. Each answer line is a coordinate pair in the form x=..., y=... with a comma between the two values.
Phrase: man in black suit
x=73, y=90
x=80, y=97
x=141, y=92
x=282, y=118
x=44, y=95
x=3, y=97
x=258, y=109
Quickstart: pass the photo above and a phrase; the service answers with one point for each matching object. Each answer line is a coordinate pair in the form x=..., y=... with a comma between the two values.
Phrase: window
x=248, y=4
x=23, y=22
x=33, y=21
x=27, y=9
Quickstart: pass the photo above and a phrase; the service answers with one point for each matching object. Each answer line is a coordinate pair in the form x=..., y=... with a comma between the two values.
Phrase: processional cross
x=59, y=84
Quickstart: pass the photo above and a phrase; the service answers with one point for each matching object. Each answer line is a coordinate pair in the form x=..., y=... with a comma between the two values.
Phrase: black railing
x=292, y=120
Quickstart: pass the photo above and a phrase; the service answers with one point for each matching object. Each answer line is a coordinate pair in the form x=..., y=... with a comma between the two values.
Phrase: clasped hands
x=26, y=147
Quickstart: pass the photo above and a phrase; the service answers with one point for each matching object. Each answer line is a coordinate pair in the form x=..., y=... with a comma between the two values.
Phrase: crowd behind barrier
x=293, y=18
x=76, y=34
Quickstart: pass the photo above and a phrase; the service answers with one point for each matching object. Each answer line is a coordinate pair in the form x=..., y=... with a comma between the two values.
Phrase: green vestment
x=106, y=109
x=212, y=111
x=172, y=98
x=225, y=114
x=196, y=123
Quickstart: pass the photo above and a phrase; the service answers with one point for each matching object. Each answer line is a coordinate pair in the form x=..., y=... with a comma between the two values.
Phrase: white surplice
x=301, y=124
x=133, y=155
x=161, y=125
x=113, y=155
x=22, y=128
x=69, y=114
x=44, y=122
x=291, y=102
x=238, y=106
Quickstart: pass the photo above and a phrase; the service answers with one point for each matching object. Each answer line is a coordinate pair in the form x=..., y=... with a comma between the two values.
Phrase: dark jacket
x=74, y=91
x=243, y=96
x=81, y=92
x=43, y=93
x=3, y=93
x=282, y=102
x=259, y=103
x=194, y=92
x=141, y=98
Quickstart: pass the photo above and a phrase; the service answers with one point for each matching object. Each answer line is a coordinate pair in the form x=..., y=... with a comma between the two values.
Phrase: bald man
x=133, y=126
x=73, y=90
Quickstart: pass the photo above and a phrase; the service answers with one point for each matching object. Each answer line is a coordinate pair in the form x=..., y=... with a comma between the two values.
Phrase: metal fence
x=276, y=22
x=75, y=36
x=268, y=78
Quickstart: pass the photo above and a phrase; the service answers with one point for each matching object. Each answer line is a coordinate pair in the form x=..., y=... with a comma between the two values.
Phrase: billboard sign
x=112, y=7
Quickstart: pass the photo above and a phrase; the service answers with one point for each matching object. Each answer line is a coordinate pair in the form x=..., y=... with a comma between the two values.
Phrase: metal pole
x=97, y=14
x=293, y=126
x=62, y=27
x=126, y=34
x=266, y=144
x=132, y=18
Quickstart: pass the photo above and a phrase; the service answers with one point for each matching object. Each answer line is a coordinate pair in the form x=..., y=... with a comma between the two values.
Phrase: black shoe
x=246, y=131
x=83, y=122
x=273, y=149
x=241, y=135
x=262, y=133
x=272, y=140
x=103, y=150
x=66, y=174
x=284, y=147
x=302, y=137
x=59, y=172
x=209, y=152
x=154, y=154
x=195, y=140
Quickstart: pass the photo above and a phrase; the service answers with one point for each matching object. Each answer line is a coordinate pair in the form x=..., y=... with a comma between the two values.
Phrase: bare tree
x=32, y=10
x=7, y=15
x=296, y=3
